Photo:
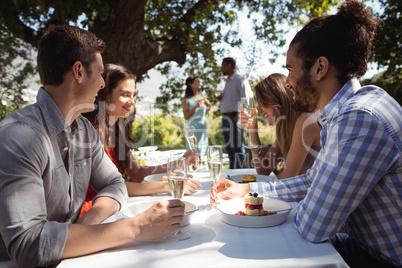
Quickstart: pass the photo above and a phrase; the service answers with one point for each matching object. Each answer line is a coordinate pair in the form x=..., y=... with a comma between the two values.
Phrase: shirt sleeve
x=29, y=238
x=245, y=88
x=357, y=154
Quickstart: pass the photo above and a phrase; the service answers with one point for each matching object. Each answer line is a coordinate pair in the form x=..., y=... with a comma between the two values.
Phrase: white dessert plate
x=228, y=208
x=159, y=177
x=138, y=208
x=271, y=177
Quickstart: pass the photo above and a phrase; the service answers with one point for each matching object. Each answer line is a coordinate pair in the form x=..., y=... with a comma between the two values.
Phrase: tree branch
x=9, y=16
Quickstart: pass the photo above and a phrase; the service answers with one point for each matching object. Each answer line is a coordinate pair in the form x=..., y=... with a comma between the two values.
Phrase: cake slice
x=253, y=205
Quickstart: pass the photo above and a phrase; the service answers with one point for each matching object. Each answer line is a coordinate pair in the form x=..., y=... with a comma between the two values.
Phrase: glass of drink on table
x=191, y=138
x=215, y=162
x=247, y=107
x=177, y=178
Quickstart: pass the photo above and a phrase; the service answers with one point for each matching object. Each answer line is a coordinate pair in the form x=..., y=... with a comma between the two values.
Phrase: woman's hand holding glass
x=248, y=121
x=177, y=178
x=191, y=138
x=247, y=110
x=215, y=163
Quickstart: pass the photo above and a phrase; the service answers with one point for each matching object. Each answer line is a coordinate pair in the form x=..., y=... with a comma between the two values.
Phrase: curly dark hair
x=344, y=39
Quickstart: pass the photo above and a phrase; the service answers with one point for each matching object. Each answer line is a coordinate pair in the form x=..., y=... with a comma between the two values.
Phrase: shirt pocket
x=56, y=188
x=82, y=173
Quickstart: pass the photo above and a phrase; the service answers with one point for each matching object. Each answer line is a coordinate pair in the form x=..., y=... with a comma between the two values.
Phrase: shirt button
x=69, y=174
x=66, y=130
x=85, y=163
x=65, y=148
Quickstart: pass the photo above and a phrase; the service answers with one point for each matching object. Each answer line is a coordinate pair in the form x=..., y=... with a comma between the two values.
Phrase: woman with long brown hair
x=113, y=104
x=297, y=134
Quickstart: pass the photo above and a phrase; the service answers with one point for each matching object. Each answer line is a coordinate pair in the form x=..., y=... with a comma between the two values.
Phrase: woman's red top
x=91, y=193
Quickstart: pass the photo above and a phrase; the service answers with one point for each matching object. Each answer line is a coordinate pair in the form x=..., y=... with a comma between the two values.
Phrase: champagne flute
x=215, y=162
x=217, y=94
x=189, y=133
x=177, y=178
x=247, y=106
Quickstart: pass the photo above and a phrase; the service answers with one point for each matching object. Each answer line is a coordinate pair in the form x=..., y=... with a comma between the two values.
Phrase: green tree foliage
x=159, y=130
x=391, y=81
x=142, y=34
x=16, y=68
x=166, y=132
x=190, y=34
x=387, y=49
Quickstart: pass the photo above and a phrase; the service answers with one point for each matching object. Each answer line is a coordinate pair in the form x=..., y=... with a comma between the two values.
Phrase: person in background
x=115, y=101
x=352, y=194
x=50, y=154
x=297, y=133
x=195, y=107
x=236, y=87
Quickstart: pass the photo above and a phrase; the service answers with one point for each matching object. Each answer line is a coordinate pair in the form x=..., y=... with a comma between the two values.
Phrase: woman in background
x=195, y=107
x=115, y=102
x=297, y=134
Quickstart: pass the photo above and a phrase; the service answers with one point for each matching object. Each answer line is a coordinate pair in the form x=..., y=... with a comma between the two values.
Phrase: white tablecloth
x=215, y=243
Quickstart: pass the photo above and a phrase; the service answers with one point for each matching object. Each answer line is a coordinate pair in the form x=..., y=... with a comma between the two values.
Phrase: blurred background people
x=236, y=87
x=195, y=107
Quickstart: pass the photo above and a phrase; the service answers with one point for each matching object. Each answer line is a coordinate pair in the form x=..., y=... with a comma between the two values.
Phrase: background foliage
x=178, y=38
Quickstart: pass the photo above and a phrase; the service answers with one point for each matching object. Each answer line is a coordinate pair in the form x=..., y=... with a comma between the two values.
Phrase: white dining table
x=215, y=243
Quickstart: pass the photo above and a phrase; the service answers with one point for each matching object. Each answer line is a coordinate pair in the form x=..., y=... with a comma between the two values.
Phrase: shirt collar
x=53, y=118
x=235, y=74
x=348, y=90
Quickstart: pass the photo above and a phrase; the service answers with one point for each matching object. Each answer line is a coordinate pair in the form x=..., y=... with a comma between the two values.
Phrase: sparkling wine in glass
x=189, y=133
x=177, y=178
x=215, y=162
x=247, y=106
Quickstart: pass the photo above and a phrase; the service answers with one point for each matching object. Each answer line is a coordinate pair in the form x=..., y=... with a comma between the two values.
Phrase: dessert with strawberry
x=253, y=204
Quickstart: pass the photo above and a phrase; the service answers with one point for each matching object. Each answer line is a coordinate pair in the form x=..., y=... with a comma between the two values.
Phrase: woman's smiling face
x=268, y=113
x=122, y=99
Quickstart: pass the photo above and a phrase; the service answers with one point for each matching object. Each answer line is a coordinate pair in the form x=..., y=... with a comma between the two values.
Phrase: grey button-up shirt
x=236, y=87
x=45, y=169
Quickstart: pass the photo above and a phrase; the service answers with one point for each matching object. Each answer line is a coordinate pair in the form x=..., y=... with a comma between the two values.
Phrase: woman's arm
x=265, y=158
x=305, y=134
x=149, y=188
x=208, y=104
x=137, y=173
x=188, y=113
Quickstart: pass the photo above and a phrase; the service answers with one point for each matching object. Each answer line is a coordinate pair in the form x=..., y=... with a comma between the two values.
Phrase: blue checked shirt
x=356, y=179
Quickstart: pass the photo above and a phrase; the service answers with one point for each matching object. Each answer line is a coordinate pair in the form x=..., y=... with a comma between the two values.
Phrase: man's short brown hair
x=63, y=45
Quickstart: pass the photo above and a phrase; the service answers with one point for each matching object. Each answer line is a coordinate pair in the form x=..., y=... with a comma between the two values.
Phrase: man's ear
x=321, y=68
x=78, y=71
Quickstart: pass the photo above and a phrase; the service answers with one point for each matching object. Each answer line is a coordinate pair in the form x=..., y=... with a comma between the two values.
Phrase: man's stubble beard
x=306, y=95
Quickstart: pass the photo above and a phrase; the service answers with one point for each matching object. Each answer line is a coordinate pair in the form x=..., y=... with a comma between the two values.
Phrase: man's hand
x=191, y=186
x=226, y=189
x=160, y=219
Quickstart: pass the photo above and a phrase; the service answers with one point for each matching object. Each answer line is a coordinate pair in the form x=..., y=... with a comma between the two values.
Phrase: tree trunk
x=123, y=32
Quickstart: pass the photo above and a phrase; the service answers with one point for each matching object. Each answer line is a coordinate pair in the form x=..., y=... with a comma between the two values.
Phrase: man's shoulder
x=374, y=100
x=28, y=117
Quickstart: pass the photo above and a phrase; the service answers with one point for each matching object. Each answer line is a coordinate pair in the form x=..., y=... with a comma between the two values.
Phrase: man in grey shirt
x=50, y=154
x=236, y=87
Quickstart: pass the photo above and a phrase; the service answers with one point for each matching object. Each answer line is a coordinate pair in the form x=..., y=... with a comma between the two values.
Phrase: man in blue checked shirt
x=355, y=183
